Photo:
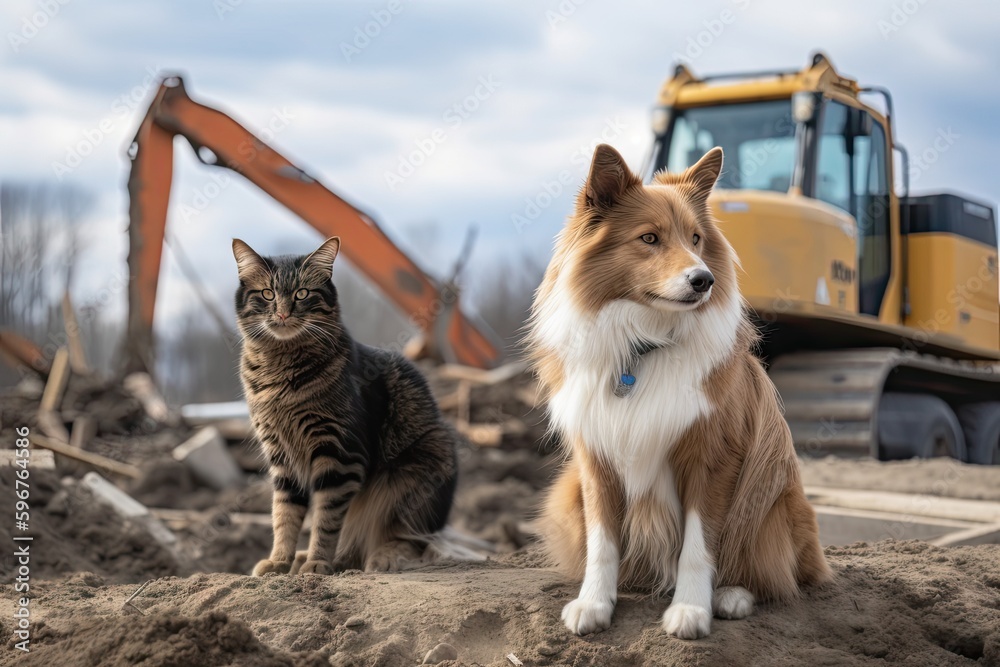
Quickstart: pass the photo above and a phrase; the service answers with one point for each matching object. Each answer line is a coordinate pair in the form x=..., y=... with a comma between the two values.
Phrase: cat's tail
x=449, y=543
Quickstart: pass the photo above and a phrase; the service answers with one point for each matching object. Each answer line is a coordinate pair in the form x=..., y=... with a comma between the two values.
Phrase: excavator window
x=834, y=158
x=758, y=139
x=852, y=174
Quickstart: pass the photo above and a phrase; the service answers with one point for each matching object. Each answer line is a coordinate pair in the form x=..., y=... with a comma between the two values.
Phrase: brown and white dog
x=681, y=472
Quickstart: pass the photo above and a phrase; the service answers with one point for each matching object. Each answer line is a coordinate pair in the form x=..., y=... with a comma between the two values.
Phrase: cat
x=350, y=429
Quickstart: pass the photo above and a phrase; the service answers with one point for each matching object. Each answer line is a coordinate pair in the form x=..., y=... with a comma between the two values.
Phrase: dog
x=680, y=473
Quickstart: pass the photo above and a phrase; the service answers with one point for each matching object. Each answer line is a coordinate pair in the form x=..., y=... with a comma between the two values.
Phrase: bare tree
x=196, y=362
x=501, y=294
x=368, y=314
x=40, y=242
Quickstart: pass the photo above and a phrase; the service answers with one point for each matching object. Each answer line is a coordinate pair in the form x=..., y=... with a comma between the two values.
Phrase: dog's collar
x=625, y=382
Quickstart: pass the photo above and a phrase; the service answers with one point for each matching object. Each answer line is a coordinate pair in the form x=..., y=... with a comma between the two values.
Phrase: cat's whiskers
x=254, y=332
x=319, y=334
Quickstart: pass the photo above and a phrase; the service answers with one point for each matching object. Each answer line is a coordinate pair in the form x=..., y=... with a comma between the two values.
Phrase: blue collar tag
x=624, y=385
x=625, y=382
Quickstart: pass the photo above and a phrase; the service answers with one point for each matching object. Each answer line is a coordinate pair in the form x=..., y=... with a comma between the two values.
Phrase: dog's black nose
x=701, y=280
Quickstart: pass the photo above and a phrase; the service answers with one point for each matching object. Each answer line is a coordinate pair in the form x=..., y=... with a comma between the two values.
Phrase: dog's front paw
x=266, y=566
x=687, y=621
x=585, y=616
x=732, y=602
x=316, y=567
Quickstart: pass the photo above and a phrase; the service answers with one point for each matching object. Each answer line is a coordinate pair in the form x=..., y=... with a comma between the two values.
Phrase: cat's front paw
x=585, y=616
x=687, y=621
x=267, y=566
x=316, y=567
x=300, y=558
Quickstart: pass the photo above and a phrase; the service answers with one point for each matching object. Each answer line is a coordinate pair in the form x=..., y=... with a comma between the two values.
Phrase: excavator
x=431, y=305
x=878, y=308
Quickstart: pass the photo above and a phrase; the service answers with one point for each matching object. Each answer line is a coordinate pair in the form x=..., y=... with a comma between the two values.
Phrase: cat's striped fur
x=350, y=429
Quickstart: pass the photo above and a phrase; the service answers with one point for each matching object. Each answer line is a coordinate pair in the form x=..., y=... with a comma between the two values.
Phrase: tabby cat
x=351, y=429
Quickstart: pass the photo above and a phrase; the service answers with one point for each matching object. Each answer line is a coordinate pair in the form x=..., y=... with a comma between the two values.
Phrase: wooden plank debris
x=58, y=378
x=127, y=507
x=479, y=376
x=49, y=420
x=84, y=430
x=37, y=460
x=90, y=458
x=482, y=435
x=77, y=356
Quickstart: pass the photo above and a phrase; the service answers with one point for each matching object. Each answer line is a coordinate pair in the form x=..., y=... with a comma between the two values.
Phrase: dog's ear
x=702, y=176
x=248, y=263
x=609, y=179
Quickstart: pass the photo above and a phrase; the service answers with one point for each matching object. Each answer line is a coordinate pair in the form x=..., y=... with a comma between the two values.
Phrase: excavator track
x=831, y=398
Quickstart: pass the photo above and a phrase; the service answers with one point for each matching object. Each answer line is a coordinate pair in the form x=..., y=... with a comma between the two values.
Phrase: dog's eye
x=695, y=239
x=267, y=294
x=649, y=238
x=301, y=294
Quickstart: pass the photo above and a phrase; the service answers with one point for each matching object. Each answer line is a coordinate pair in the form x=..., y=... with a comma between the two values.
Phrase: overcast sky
x=548, y=80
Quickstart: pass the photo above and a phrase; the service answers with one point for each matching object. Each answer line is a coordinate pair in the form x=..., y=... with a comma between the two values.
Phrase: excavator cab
x=801, y=144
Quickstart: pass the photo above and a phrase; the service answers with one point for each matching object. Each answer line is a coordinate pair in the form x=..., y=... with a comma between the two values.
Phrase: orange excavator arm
x=431, y=307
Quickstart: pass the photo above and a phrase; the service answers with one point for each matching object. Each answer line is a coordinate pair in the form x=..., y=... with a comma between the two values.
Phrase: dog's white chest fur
x=635, y=432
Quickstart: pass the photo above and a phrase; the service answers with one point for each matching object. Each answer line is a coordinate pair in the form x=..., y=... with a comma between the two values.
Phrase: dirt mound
x=208, y=640
x=890, y=603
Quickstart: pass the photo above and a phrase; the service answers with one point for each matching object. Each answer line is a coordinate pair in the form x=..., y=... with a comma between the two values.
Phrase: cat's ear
x=248, y=263
x=321, y=260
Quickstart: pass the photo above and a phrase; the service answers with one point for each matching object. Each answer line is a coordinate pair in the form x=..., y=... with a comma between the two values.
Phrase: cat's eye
x=267, y=294
x=649, y=238
x=695, y=239
x=301, y=294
